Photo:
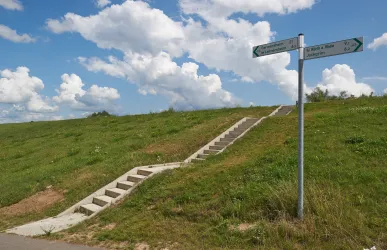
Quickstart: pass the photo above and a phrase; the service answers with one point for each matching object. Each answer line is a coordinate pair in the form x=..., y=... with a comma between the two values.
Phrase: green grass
x=255, y=182
x=80, y=156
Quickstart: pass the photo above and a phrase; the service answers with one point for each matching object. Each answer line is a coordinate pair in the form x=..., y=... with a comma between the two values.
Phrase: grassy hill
x=246, y=197
x=74, y=158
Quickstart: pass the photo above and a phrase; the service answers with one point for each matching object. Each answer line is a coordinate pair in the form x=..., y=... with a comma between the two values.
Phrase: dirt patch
x=114, y=245
x=142, y=246
x=35, y=203
x=109, y=226
x=242, y=227
x=177, y=210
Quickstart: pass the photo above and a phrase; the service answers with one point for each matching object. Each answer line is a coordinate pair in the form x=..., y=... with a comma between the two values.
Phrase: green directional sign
x=276, y=47
x=335, y=48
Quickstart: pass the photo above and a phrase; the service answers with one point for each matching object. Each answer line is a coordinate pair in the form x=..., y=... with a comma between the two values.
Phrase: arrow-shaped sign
x=276, y=47
x=360, y=44
x=255, y=51
x=335, y=48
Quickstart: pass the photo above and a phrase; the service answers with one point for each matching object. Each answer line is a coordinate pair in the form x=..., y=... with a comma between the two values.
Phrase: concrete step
x=216, y=147
x=227, y=139
x=230, y=136
x=250, y=121
x=248, y=124
x=136, y=178
x=102, y=200
x=89, y=209
x=210, y=152
x=284, y=111
x=235, y=133
x=221, y=143
x=125, y=185
x=238, y=130
x=244, y=126
x=202, y=156
x=280, y=113
x=145, y=172
x=114, y=192
x=287, y=108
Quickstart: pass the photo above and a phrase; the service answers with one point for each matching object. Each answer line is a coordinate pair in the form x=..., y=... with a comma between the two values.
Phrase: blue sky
x=58, y=44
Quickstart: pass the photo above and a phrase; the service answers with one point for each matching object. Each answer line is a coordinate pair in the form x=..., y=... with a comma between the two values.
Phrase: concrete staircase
x=94, y=203
x=125, y=184
x=222, y=143
x=238, y=130
x=284, y=110
x=112, y=193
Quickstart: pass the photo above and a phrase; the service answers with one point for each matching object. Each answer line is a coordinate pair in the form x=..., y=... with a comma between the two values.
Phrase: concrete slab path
x=15, y=242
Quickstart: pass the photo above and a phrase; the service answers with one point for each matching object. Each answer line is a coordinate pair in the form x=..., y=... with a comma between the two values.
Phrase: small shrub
x=168, y=111
x=73, y=151
x=318, y=95
x=94, y=160
x=354, y=140
x=100, y=114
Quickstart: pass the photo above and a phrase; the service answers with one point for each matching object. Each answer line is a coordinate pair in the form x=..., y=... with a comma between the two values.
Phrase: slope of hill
x=60, y=163
x=246, y=198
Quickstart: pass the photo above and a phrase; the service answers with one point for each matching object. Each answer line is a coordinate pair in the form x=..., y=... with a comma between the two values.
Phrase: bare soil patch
x=242, y=227
x=35, y=203
x=142, y=246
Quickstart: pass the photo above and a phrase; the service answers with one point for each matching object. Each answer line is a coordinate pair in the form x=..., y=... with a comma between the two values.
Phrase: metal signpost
x=312, y=52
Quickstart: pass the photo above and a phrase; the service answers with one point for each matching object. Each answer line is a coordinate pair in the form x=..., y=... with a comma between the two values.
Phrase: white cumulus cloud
x=102, y=3
x=342, y=78
x=16, y=114
x=11, y=4
x=224, y=8
x=183, y=87
x=150, y=41
x=11, y=35
x=40, y=105
x=132, y=26
x=385, y=91
x=95, y=98
x=69, y=89
x=378, y=42
x=18, y=87
x=226, y=45
x=20, y=100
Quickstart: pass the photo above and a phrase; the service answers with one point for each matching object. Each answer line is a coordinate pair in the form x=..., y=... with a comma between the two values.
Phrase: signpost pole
x=313, y=52
x=301, y=127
